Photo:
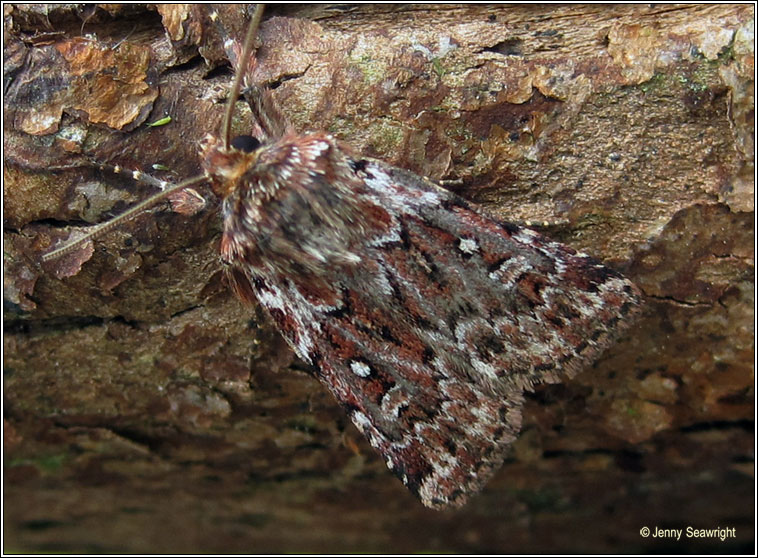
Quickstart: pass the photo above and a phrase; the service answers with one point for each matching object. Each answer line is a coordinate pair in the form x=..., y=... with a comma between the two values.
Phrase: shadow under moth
x=426, y=318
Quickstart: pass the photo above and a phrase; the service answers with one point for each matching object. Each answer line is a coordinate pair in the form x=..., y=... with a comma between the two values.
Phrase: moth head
x=224, y=166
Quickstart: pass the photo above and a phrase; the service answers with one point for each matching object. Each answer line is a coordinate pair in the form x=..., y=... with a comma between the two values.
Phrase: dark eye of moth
x=248, y=144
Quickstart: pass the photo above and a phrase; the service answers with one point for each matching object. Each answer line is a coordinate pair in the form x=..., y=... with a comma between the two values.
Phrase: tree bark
x=147, y=410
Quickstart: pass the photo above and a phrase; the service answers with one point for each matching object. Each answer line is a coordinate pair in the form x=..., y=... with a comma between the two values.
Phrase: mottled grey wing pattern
x=434, y=319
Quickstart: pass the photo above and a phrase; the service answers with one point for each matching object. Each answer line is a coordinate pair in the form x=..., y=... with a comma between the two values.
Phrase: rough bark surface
x=146, y=410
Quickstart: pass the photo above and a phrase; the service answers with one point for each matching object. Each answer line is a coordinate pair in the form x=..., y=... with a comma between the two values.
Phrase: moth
x=425, y=317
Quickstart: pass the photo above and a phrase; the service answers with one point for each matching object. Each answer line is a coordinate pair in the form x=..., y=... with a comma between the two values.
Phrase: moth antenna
x=139, y=176
x=102, y=228
x=247, y=50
